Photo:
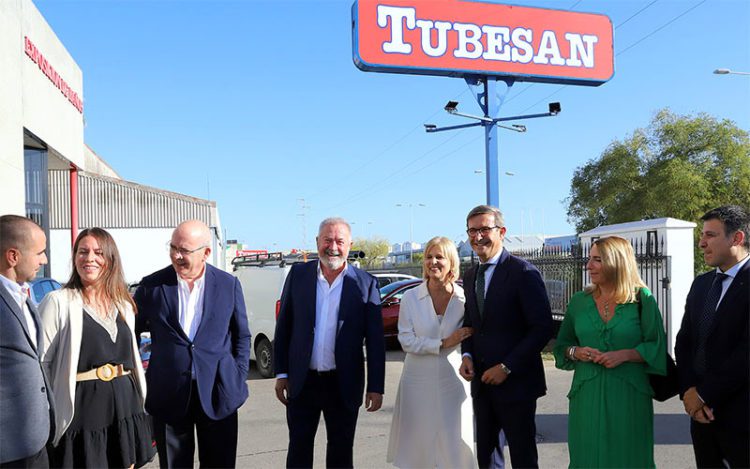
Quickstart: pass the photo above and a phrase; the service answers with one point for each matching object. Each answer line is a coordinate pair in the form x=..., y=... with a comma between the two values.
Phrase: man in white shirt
x=328, y=309
x=712, y=350
x=25, y=416
x=200, y=352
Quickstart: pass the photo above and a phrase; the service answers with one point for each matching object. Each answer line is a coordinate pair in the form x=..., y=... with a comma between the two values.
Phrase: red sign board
x=465, y=38
x=250, y=252
x=38, y=58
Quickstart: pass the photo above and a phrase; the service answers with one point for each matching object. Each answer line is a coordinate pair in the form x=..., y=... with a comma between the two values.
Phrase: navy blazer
x=360, y=320
x=516, y=325
x=219, y=353
x=725, y=385
x=25, y=401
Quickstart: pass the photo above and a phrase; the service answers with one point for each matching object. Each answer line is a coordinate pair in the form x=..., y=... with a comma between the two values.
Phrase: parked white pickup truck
x=262, y=277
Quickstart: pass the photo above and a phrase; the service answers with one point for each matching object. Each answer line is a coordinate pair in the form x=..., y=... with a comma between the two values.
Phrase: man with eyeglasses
x=200, y=352
x=507, y=305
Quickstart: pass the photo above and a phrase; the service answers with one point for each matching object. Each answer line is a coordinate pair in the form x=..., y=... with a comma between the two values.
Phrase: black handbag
x=665, y=387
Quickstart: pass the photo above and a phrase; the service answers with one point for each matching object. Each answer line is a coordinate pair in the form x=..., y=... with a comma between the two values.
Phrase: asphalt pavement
x=263, y=433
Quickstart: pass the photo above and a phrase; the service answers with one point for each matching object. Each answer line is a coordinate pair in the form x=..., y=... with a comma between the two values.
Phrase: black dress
x=109, y=427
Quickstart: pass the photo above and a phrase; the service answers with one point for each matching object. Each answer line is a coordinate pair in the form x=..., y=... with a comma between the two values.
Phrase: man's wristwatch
x=505, y=369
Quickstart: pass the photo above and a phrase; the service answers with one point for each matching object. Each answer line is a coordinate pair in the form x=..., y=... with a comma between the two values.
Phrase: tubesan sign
x=38, y=58
x=463, y=38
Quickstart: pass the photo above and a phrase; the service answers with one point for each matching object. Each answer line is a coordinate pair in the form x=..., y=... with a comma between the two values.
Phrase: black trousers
x=713, y=444
x=39, y=460
x=320, y=393
x=217, y=439
x=516, y=419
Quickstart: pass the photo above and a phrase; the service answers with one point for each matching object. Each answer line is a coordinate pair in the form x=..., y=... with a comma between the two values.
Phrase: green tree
x=375, y=248
x=679, y=167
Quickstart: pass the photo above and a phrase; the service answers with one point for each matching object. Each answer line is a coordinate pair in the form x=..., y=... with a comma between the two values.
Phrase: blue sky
x=257, y=104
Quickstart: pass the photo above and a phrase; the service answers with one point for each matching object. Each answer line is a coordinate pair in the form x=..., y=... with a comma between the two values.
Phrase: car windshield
x=386, y=290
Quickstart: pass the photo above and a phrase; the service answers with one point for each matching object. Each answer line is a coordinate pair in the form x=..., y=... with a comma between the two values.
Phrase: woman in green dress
x=612, y=345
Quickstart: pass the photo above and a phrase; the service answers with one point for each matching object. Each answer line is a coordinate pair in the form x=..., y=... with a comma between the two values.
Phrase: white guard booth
x=664, y=248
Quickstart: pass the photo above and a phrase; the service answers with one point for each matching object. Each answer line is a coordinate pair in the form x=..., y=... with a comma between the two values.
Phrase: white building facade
x=49, y=174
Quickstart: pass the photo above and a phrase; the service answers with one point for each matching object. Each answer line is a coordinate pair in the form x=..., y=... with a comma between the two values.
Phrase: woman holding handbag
x=613, y=343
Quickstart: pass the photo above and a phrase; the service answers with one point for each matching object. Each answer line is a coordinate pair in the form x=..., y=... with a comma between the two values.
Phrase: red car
x=390, y=299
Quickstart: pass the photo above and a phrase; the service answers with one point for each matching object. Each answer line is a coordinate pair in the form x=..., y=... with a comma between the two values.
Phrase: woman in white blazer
x=432, y=419
x=92, y=360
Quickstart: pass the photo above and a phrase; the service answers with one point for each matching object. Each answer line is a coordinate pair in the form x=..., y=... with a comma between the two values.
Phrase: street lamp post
x=411, y=227
x=726, y=71
x=490, y=94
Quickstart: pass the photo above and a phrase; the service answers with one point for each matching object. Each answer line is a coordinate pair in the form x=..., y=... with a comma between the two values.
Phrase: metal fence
x=564, y=272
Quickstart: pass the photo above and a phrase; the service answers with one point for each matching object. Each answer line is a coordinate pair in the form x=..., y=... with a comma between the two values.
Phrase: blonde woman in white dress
x=432, y=419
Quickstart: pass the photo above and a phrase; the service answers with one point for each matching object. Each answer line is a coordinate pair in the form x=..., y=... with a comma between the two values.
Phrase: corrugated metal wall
x=115, y=203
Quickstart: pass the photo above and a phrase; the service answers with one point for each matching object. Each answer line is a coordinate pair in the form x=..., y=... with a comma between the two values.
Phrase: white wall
x=142, y=250
x=12, y=197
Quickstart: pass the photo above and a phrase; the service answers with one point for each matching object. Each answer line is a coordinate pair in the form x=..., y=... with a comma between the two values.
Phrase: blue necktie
x=480, y=287
x=706, y=320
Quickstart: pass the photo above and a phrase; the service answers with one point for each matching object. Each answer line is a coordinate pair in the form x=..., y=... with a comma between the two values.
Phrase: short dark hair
x=734, y=217
x=13, y=231
x=486, y=209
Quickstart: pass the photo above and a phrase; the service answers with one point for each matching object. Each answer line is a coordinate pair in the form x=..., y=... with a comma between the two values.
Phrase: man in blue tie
x=712, y=346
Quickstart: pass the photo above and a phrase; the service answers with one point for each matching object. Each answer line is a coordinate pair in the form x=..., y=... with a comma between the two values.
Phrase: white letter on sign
x=548, y=46
x=497, y=42
x=577, y=50
x=464, y=40
x=522, y=44
x=397, y=15
x=442, y=43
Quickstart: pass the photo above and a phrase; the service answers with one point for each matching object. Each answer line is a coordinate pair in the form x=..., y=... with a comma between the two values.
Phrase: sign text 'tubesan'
x=464, y=38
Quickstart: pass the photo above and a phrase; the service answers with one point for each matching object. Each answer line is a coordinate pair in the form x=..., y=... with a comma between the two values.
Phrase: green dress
x=611, y=415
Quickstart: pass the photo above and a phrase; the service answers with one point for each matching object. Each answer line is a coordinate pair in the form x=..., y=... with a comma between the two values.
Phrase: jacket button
x=44, y=389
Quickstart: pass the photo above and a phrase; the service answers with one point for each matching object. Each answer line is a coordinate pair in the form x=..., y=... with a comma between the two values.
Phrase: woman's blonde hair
x=448, y=249
x=618, y=268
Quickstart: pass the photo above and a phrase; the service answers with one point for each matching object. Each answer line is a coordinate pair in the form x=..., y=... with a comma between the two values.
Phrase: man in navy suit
x=25, y=401
x=712, y=350
x=328, y=309
x=200, y=352
x=507, y=305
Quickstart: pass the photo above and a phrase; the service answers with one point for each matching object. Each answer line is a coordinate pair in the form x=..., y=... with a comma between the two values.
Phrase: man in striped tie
x=712, y=346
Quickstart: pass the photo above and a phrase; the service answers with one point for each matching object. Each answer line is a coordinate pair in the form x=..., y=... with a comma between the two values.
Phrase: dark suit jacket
x=219, y=354
x=725, y=385
x=360, y=320
x=516, y=325
x=25, y=401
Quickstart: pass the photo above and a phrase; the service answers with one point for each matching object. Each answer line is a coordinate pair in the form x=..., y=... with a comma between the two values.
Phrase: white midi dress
x=432, y=422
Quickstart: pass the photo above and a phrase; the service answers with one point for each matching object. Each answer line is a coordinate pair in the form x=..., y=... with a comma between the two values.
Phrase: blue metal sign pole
x=490, y=94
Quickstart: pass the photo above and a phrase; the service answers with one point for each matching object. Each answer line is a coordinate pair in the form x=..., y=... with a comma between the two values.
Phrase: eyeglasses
x=182, y=251
x=485, y=230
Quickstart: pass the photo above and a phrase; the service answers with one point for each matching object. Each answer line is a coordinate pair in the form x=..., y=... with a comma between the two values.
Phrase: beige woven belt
x=106, y=372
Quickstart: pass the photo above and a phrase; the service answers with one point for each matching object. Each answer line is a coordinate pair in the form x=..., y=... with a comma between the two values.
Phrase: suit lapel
x=17, y=312
x=349, y=289
x=172, y=300
x=738, y=286
x=471, y=294
x=37, y=321
x=311, y=279
x=209, y=292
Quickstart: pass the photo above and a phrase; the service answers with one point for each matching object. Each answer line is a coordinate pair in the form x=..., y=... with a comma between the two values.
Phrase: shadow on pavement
x=669, y=429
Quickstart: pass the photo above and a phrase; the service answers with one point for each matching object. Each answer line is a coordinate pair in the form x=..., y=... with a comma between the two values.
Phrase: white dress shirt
x=20, y=293
x=191, y=304
x=327, y=301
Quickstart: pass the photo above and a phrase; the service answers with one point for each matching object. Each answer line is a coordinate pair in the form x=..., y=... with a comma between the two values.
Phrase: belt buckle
x=106, y=372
